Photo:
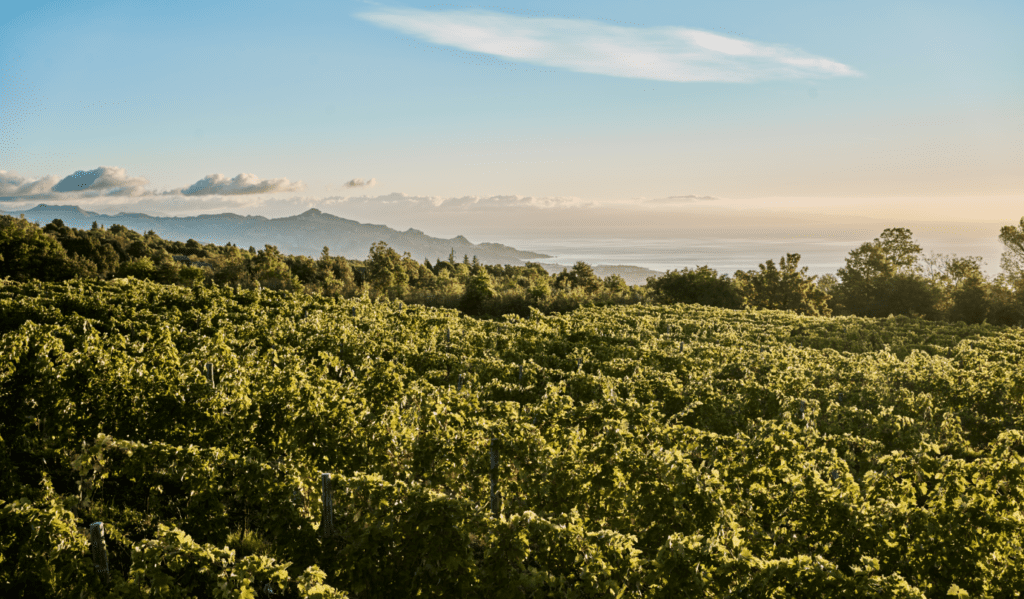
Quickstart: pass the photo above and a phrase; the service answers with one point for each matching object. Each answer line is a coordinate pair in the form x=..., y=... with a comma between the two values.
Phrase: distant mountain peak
x=306, y=233
x=59, y=209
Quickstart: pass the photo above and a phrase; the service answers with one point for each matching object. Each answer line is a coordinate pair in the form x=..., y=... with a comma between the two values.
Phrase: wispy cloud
x=361, y=183
x=657, y=53
x=686, y=199
x=461, y=204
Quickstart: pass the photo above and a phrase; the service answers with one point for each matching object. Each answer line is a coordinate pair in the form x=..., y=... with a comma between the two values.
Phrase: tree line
x=889, y=275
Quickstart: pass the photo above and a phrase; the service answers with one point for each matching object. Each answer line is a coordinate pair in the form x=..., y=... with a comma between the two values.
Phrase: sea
x=730, y=254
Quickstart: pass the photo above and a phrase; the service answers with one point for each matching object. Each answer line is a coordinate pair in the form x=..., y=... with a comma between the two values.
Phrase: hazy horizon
x=719, y=243
x=736, y=126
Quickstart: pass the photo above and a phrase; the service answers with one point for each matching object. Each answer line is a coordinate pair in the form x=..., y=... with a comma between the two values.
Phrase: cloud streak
x=361, y=183
x=462, y=204
x=675, y=54
x=686, y=199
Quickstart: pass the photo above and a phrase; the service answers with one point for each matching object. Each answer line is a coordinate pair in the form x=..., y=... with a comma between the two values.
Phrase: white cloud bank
x=243, y=184
x=112, y=181
x=13, y=185
x=104, y=190
x=657, y=53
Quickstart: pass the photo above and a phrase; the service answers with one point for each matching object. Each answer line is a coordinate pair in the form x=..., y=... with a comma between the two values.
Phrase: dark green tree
x=785, y=287
x=883, y=277
x=335, y=275
x=269, y=268
x=581, y=276
x=540, y=289
x=478, y=290
x=1012, y=261
x=386, y=272
x=616, y=284
x=140, y=268
x=701, y=285
x=971, y=302
x=27, y=252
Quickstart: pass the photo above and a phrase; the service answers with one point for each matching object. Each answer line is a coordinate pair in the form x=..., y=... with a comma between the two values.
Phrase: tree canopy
x=783, y=287
x=883, y=277
x=701, y=285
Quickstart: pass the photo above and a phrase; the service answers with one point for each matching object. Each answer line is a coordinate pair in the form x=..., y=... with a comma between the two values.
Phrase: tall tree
x=580, y=276
x=785, y=287
x=385, y=271
x=616, y=284
x=899, y=249
x=478, y=290
x=883, y=277
x=970, y=300
x=1012, y=261
x=271, y=270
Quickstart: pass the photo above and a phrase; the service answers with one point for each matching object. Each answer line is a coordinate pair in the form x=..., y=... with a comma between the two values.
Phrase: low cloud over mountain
x=109, y=179
x=112, y=181
x=243, y=184
x=14, y=186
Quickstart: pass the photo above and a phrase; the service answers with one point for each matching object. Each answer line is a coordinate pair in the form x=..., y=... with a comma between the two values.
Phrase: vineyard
x=263, y=443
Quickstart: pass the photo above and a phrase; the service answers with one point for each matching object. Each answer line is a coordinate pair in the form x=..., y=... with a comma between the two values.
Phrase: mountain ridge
x=306, y=233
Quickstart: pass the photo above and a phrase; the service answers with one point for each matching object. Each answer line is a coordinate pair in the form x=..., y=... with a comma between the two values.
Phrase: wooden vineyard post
x=520, y=374
x=327, y=517
x=100, y=559
x=448, y=335
x=209, y=375
x=495, y=496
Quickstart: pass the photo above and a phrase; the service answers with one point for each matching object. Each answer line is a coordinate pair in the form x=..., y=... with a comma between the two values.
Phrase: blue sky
x=453, y=117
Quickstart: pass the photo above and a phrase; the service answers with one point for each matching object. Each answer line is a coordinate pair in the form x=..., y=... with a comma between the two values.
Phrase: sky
x=626, y=120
